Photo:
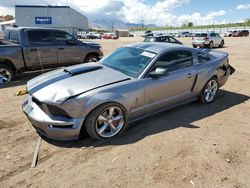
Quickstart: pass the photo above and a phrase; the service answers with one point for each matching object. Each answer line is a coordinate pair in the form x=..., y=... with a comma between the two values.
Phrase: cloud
x=6, y=11
x=133, y=11
x=198, y=19
x=243, y=7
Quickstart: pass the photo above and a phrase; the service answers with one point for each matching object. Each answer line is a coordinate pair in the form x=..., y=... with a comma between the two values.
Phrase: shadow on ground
x=183, y=116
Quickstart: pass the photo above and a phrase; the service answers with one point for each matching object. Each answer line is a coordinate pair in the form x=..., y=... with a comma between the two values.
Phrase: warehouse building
x=57, y=17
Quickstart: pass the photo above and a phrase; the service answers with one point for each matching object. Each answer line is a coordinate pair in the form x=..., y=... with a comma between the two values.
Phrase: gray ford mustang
x=133, y=82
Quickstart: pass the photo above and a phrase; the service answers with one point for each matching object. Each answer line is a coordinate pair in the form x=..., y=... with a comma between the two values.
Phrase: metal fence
x=196, y=30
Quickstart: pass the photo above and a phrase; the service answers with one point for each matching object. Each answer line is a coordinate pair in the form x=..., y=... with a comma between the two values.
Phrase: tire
x=211, y=45
x=99, y=124
x=91, y=58
x=194, y=46
x=209, y=92
x=6, y=74
x=221, y=44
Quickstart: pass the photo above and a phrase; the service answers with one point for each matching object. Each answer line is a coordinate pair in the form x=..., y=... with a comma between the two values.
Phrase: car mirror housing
x=158, y=72
x=72, y=42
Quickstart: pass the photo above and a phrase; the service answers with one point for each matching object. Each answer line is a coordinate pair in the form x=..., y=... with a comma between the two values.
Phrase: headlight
x=56, y=111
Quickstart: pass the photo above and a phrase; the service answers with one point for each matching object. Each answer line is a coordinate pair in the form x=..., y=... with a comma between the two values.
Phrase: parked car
x=94, y=35
x=241, y=33
x=183, y=34
x=81, y=35
x=148, y=34
x=228, y=34
x=109, y=36
x=209, y=39
x=162, y=38
x=27, y=49
x=133, y=82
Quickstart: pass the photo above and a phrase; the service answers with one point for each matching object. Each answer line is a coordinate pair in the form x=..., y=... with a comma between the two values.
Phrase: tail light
x=206, y=38
x=192, y=38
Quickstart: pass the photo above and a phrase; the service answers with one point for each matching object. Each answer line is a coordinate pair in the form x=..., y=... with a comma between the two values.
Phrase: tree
x=190, y=24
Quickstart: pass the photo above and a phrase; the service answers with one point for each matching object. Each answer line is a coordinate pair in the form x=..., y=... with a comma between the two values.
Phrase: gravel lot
x=191, y=146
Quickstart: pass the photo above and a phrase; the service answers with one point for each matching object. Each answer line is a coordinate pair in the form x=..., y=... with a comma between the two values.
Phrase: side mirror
x=72, y=42
x=159, y=71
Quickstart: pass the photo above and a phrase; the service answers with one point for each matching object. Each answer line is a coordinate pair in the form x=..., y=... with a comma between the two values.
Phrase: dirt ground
x=192, y=146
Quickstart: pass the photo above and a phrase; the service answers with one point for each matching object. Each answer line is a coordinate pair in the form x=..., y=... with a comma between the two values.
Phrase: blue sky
x=161, y=12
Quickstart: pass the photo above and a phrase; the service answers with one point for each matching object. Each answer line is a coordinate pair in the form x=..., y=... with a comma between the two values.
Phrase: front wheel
x=91, y=58
x=6, y=74
x=106, y=121
x=209, y=92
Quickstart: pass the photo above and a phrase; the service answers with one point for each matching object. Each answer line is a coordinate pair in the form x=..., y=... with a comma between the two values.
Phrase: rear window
x=203, y=57
x=149, y=39
x=12, y=35
x=201, y=35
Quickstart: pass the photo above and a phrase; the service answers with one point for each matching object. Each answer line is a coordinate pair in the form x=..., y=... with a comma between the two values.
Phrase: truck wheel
x=194, y=46
x=209, y=91
x=6, y=74
x=91, y=58
x=106, y=121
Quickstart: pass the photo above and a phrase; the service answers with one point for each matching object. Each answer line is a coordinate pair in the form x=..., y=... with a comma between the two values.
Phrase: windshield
x=129, y=61
x=201, y=35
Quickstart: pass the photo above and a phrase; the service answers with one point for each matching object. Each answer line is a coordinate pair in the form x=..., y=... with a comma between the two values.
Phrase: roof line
x=41, y=6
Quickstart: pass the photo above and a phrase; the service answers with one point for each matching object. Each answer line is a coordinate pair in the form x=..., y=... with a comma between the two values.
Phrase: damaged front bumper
x=53, y=127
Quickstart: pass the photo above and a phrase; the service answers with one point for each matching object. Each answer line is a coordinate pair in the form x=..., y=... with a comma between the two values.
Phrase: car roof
x=157, y=47
x=31, y=28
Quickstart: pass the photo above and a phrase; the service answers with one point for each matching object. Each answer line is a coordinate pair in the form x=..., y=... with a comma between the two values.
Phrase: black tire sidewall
x=9, y=69
x=90, y=57
x=92, y=117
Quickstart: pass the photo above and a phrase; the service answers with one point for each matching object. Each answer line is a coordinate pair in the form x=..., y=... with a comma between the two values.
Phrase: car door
x=215, y=39
x=41, y=51
x=174, y=88
x=70, y=51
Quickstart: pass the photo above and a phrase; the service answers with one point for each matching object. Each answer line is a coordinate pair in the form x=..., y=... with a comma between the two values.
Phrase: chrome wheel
x=210, y=90
x=5, y=76
x=109, y=122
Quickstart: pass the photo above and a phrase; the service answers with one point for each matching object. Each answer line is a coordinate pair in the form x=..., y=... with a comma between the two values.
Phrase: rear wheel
x=106, y=121
x=211, y=45
x=194, y=46
x=221, y=44
x=91, y=58
x=6, y=74
x=209, y=92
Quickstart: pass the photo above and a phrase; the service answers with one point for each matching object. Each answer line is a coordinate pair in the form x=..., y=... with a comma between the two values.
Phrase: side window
x=62, y=38
x=203, y=57
x=212, y=34
x=172, y=40
x=175, y=60
x=39, y=38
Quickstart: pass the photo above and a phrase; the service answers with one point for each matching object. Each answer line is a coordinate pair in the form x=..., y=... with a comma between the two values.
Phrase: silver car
x=209, y=40
x=133, y=82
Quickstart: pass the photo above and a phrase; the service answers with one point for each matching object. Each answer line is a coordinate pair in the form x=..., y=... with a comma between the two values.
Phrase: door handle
x=60, y=48
x=190, y=75
x=33, y=49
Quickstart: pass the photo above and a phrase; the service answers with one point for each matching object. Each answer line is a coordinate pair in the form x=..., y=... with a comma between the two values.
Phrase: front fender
x=101, y=98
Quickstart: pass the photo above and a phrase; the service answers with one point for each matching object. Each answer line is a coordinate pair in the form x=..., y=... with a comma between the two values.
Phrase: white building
x=58, y=17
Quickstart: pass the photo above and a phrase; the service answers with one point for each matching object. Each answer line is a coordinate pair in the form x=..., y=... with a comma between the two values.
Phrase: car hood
x=57, y=86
